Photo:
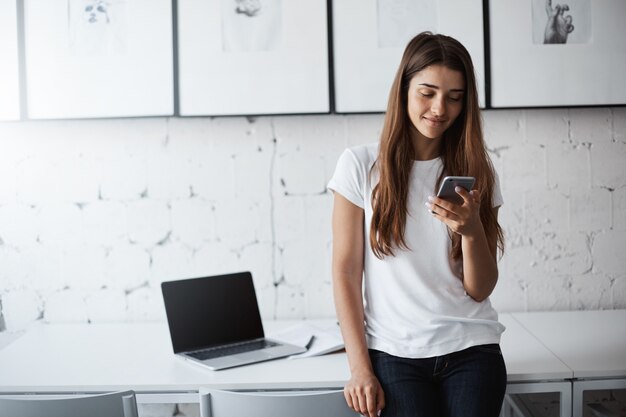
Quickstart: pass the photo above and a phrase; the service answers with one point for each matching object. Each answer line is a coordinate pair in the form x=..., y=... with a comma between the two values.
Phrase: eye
x=455, y=98
x=427, y=94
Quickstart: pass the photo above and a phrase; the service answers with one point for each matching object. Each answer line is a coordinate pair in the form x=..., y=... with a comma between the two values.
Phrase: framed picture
x=369, y=37
x=99, y=58
x=546, y=53
x=252, y=57
x=9, y=67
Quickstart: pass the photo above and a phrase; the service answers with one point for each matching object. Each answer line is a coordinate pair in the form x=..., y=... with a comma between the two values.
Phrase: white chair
x=117, y=404
x=217, y=403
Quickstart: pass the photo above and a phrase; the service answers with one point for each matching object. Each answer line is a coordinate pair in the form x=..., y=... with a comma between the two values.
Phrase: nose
x=438, y=107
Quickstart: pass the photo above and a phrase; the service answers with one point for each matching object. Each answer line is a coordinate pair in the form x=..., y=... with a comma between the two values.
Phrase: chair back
x=218, y=403
x=117, y=404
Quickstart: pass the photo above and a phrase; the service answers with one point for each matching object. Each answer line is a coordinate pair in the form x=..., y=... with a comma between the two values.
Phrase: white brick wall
x=95, y=214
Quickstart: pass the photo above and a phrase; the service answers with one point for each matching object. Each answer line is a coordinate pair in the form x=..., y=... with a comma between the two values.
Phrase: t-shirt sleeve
x=497, y=193
x=349, y=179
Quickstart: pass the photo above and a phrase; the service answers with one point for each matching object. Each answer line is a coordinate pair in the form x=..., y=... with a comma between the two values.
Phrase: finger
x=444, y=213
x=549, y=7
x=448, y=218
x=465, y=195
x=380, y=400
x=557, y=11
x=354, y=401
x=371, y=404
x=475, y=195
x=435, y=210
x=348, y=398
x=440, y=202
x=362, y=403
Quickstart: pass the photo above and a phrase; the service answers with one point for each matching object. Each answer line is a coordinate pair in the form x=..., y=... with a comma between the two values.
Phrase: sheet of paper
x=326, y=339
x=297, y=334
x=320, y=339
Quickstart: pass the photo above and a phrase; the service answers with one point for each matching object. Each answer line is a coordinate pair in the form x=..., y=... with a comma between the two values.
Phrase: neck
x=425, y=149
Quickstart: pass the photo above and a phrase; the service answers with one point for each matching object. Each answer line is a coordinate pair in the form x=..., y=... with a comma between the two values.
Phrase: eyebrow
x=460, y=90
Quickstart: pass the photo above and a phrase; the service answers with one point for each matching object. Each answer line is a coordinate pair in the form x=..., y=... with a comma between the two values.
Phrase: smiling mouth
x=434, y=122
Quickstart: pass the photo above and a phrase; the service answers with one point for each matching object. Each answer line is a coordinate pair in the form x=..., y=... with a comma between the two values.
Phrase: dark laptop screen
x=203, y=312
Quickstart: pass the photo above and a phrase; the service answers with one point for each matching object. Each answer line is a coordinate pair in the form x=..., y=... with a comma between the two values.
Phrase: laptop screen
x=211, y=311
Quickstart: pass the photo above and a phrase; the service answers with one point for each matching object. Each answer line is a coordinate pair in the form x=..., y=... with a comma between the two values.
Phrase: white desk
x=591, y=343
x=72, y=358
x=532, y=369
x=104, y=357
x=527, y=359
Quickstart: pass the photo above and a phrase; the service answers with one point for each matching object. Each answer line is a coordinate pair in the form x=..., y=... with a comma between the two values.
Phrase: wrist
x=364, y=370
x=473, y=235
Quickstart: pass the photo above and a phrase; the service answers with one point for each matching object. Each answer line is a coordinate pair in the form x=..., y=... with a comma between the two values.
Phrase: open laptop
x=215, y=321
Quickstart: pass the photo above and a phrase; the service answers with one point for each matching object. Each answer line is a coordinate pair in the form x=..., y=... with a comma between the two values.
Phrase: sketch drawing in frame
x=253, y=57
x=548, y=54
x=555, y=24
x=369, y=37
x=98, y=27
x=397, y=20
x=251, y=25
x=98, y=58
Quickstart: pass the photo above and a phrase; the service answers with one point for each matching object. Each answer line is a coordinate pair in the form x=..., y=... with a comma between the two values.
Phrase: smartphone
x=448, y=184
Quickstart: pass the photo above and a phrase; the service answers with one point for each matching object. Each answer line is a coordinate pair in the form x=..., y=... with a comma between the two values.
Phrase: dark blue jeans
x=468, y=383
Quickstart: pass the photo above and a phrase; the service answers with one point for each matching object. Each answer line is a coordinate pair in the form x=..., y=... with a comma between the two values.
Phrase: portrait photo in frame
x=369, y=37
x=96, y=58
x=557, y=54
x=253, y=57
x=9, y=64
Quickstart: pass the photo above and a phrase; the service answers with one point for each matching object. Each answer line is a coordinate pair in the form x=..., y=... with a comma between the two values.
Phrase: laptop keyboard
x=218, y=352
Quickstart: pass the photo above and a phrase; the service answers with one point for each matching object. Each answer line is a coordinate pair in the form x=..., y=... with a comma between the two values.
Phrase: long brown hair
x=463, y=149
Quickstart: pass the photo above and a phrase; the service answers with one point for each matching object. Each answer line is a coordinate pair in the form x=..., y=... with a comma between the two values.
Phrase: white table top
x=104, y=357
x=138, y=356
x=591, y=343
x=526, y=358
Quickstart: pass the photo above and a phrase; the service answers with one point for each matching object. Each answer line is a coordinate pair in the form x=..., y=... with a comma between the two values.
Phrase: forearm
x=349, y=307
x=480, y=269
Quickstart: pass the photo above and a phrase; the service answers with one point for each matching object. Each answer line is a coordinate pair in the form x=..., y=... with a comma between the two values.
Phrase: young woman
x=412, y=273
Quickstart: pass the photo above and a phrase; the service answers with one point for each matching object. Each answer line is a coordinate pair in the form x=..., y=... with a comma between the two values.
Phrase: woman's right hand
x=364, y=394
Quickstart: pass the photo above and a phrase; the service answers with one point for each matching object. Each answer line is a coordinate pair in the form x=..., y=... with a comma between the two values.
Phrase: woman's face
x=435, y=100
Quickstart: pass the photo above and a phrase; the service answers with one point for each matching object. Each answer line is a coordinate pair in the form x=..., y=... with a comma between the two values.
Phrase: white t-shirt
x=415, y=303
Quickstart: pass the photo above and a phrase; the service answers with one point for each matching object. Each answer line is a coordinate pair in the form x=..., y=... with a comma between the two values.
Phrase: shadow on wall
x=3, y=325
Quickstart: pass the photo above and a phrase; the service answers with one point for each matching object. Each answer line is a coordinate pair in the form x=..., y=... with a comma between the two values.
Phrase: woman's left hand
x=463, y=219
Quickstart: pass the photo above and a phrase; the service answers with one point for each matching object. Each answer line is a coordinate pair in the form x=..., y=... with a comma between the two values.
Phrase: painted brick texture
x=95, y=214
